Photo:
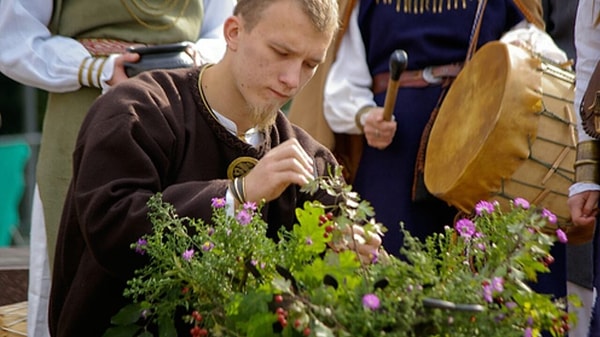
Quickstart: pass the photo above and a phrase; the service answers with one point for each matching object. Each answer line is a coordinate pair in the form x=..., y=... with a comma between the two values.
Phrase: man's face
x=276, y=59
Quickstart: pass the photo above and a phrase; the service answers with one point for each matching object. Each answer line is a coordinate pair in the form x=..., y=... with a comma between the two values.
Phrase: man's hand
x=285, y=164
x=119, y=74
x=378, y=132
x=365, y=244
x=584, y=209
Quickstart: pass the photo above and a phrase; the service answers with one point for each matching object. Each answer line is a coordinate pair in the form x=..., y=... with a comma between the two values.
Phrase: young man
x=75, y=50
x=189, y=134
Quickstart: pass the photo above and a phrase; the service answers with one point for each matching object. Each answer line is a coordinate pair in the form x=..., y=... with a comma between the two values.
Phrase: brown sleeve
x=533, y=12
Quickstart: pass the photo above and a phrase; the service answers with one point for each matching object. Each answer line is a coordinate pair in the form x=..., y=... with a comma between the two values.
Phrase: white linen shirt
x=31, y=55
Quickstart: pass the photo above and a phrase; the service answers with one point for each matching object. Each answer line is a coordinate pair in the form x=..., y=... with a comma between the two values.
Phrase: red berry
x=278, y=298
x=548, y=260
x=282, y=321
x=297, y=323
x=197, y=316
x=306, y=332
x=329, y=216
x=195, y=331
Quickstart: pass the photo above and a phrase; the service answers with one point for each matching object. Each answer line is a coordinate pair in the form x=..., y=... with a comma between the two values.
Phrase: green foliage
x=226, y=278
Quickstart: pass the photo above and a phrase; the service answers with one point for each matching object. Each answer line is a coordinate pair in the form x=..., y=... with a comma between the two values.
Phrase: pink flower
x=484, y=207
x=218, y=202
x=188, y=254
x=250, y=206
x=498, y=284
x=140, y=246
x=549, y=215
x=488, y=292
x=371, y=301
x=465, y=227
x=208, y=246
x=520, y=202
x=243, y=217
x=562, y=236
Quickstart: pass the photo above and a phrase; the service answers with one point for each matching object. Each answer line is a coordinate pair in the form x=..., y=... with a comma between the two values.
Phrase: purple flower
x=520, y=202
x=371, y=301
x=484, y=207
x=562, y=236
x=210, y=231
x=218, y=202
x=528, y=332
x=188, y=254
x=530, y=321
x=308, y=241
x=498, y=284
x=374, y=257
x=139, y=246
x=243, y=217
x=487, y=293
x=549, y=215
x=481, y=246
x=511, y=305
x=250, y=206
x=208, y=246
x=465, y=227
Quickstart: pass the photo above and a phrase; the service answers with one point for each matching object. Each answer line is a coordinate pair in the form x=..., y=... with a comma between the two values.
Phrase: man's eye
x=281, y=52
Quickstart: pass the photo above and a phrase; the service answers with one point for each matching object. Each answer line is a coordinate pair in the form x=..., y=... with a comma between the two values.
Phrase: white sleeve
x=587, y=45
x=348, y=85
x=211, y=43
x=30, y=54
x=529, y=35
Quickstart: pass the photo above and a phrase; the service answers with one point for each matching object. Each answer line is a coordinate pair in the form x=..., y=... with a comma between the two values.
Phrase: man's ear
x=231, y=31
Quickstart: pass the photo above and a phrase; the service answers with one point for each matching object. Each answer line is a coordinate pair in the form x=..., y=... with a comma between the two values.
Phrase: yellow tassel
x=422, y=6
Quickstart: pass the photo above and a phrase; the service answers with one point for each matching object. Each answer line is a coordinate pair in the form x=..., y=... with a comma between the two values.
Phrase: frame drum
x=506, y=129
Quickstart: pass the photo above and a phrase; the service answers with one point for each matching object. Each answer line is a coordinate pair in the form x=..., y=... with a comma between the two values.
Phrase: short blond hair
x=322, y=13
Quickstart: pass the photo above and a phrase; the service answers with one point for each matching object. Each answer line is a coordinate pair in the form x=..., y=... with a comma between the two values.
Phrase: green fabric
x=149, y=22
x=64, y=114
x=125, y=20
x=13, y=158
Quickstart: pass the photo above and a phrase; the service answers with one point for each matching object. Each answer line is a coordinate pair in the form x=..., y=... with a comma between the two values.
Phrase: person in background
x=585, y=193
x=75, y=50
x=356, y=88
x=437, y=38
x=193, y=135
x=560, y=24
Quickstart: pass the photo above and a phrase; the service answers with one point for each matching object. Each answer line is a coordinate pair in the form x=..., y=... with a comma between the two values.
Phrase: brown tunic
x=149, y=134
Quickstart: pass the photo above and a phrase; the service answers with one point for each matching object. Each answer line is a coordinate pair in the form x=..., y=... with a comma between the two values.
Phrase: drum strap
x=589, y=108
x=481, y=4
x=419, y=190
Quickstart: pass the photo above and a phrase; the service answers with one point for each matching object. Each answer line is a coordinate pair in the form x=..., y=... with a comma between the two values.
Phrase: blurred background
x=21, y=112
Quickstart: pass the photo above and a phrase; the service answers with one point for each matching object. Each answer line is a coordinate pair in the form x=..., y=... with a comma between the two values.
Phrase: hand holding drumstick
x=379, y=127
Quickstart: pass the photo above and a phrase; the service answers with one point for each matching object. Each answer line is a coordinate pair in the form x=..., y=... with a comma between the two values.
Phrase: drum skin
x=485, y=143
